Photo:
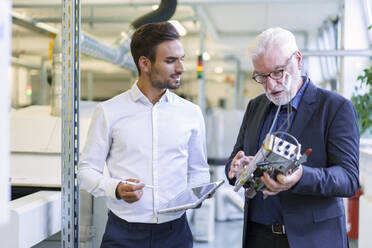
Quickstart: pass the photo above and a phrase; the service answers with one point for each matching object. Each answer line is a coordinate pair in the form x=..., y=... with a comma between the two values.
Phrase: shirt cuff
x=199, y=178
x=110, y=188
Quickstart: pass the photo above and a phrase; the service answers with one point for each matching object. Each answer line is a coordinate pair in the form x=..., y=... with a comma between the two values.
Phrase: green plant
x=363, y=102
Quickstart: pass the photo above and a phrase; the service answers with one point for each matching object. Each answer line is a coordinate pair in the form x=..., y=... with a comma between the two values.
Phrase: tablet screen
x=190, y=197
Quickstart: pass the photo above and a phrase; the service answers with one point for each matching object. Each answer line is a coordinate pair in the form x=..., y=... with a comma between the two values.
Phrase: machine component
x=275, y=156
x=202, y=221
x=222, y=127
x=33, y=25
x=32, y=219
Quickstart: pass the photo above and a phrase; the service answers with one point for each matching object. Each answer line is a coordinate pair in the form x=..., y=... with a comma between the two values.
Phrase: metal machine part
x=275, y=156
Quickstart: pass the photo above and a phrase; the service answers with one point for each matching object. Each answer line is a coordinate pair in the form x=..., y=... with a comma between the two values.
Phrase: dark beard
x=164, y=85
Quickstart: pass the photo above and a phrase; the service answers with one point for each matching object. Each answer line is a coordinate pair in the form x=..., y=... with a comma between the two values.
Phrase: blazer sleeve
x=340, y=176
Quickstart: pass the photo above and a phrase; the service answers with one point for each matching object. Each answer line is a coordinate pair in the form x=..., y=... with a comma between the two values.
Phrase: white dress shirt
x=162, y=145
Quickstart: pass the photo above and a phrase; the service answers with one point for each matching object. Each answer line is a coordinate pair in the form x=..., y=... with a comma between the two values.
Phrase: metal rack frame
x=71, y=23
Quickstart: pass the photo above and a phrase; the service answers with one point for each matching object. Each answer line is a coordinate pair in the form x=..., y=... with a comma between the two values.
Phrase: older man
x=304, y=208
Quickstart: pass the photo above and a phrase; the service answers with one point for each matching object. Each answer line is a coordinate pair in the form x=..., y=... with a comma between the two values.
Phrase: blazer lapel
x=305, y=110
x=257, y=124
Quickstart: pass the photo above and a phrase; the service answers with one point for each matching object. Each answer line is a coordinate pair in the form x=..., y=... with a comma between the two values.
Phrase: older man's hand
x=238, y=163
x=283, y=183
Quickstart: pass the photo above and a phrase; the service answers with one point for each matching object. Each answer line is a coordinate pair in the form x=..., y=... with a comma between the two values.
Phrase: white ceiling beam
x=338, y=53
x=204, y=18
x=29, y=23
x=23, y=63
x=110, y=3
x=109, y=19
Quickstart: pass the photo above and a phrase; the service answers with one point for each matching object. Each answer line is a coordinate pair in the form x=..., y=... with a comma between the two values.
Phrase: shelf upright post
x=71, y=22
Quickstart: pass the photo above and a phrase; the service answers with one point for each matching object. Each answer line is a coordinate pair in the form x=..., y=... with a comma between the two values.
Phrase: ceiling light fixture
x=206, y=56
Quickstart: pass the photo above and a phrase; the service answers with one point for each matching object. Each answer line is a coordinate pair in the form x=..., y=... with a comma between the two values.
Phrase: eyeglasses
x=276, y=75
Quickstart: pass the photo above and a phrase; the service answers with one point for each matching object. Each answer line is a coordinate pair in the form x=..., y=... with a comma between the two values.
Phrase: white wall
x=5, y=26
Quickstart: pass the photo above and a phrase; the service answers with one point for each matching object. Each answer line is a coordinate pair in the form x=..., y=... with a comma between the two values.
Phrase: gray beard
x=289, y=95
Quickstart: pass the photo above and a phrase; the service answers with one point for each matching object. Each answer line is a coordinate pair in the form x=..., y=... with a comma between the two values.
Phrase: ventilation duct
x=163, y=13
x=119, y=55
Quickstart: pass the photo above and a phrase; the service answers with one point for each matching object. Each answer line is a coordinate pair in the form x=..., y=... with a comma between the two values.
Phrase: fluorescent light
x=218, y=70
x=155, y=6
x=206, y=56
x=180, y=29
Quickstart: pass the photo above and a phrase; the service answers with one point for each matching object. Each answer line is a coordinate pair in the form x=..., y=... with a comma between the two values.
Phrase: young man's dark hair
x=147, y=37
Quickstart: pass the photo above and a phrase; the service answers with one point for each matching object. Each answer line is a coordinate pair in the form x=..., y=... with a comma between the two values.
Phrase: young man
x=147, y=136
x=304, y=209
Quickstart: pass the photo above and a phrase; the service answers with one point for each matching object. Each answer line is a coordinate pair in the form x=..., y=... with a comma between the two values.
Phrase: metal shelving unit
x=70, y=122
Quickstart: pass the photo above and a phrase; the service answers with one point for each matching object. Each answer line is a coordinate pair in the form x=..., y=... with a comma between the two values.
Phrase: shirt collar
x=166, y=97
x=296, y=100
x=138, y=95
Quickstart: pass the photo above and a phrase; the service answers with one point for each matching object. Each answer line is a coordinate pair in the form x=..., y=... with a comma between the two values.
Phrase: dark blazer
x=313, y=209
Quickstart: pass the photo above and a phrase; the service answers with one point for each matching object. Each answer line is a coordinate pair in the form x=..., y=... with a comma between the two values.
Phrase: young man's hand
x=129, y=193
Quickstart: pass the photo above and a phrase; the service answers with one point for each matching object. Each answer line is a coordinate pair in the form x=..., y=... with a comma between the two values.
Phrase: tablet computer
x=190, y=197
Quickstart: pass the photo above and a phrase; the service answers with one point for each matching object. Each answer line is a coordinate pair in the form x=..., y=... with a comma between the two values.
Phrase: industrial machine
x=222, y=127
x=275, y=156
x=35, y=174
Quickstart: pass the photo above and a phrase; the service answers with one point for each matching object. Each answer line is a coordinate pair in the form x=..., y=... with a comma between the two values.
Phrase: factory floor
x=226, y=234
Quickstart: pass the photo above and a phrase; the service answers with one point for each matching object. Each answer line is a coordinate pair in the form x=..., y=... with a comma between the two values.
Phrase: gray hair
x=273, y=37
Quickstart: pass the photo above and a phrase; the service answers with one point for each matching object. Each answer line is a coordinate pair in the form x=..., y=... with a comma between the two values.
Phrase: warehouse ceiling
x=229, y=25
